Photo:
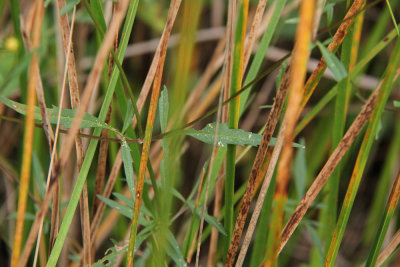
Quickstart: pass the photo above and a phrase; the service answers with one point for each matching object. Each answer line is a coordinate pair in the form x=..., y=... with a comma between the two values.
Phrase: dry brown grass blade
x=341, y=32
x=103, y=150
x=50, y=189
x=210, y=70
x=328, y=168
x=173, y=10
x=196, y=203
x=101, y=165
x=261, y=152
x=224, y=119
x=71, y=66
x=263, y=192
x=109, y=222
x=311, y=81
x=151, y=73
x=75, y=102
x=30, y=241
x=92, y=82
x=28, y=137
x=67, y=146
x=107, y=192
x=219, y=188
x=252, y=36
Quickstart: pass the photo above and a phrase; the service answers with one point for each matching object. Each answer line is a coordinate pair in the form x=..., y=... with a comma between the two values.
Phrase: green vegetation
x=199, y=133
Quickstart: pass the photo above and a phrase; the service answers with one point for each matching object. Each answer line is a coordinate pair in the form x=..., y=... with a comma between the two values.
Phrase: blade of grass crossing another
x=255, y=66
x=348, y=57
x=369, y=137
x=174, y=7
x=384, y=225
x=233, y=121
x=296, y=84
x=383, y=186
x=28, y=138
x=129, y=19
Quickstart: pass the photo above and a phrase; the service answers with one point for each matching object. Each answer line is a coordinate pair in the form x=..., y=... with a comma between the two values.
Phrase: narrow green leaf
x=163, y=108
x=208, y=218
x=6, y=88
x=300, y=170
x=316, y=242
x=396, y=104
x=266, y=107
x=113, y=252
x=73, y=203
x=67, y=116
x=393, y=18
x=228, y=136
x=333, y=63
x=128, y=116
x=121, y=208
x=174, y=251
x=128, y=201
x=225, y=135
x=128, y=167
x=38, y=174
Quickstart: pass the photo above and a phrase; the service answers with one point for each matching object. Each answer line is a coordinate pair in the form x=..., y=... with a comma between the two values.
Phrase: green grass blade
x=382, y=189
x=384, y=225
x=130, y=16
x=236, y=84
x=369, y=137
x=333, y=63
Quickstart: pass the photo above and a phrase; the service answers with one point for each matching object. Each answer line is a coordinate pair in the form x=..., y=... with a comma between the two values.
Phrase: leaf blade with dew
x=228, y=136
x=333, y=63
x=67, y=116
x=128, y=166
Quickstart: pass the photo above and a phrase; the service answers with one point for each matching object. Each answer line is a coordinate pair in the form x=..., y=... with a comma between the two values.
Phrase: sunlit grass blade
x=174, y=7
x=354, y=73
x=28, y=138
x=296, y=86
x=344, y=85
x=369, y=137
x=236, y=84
